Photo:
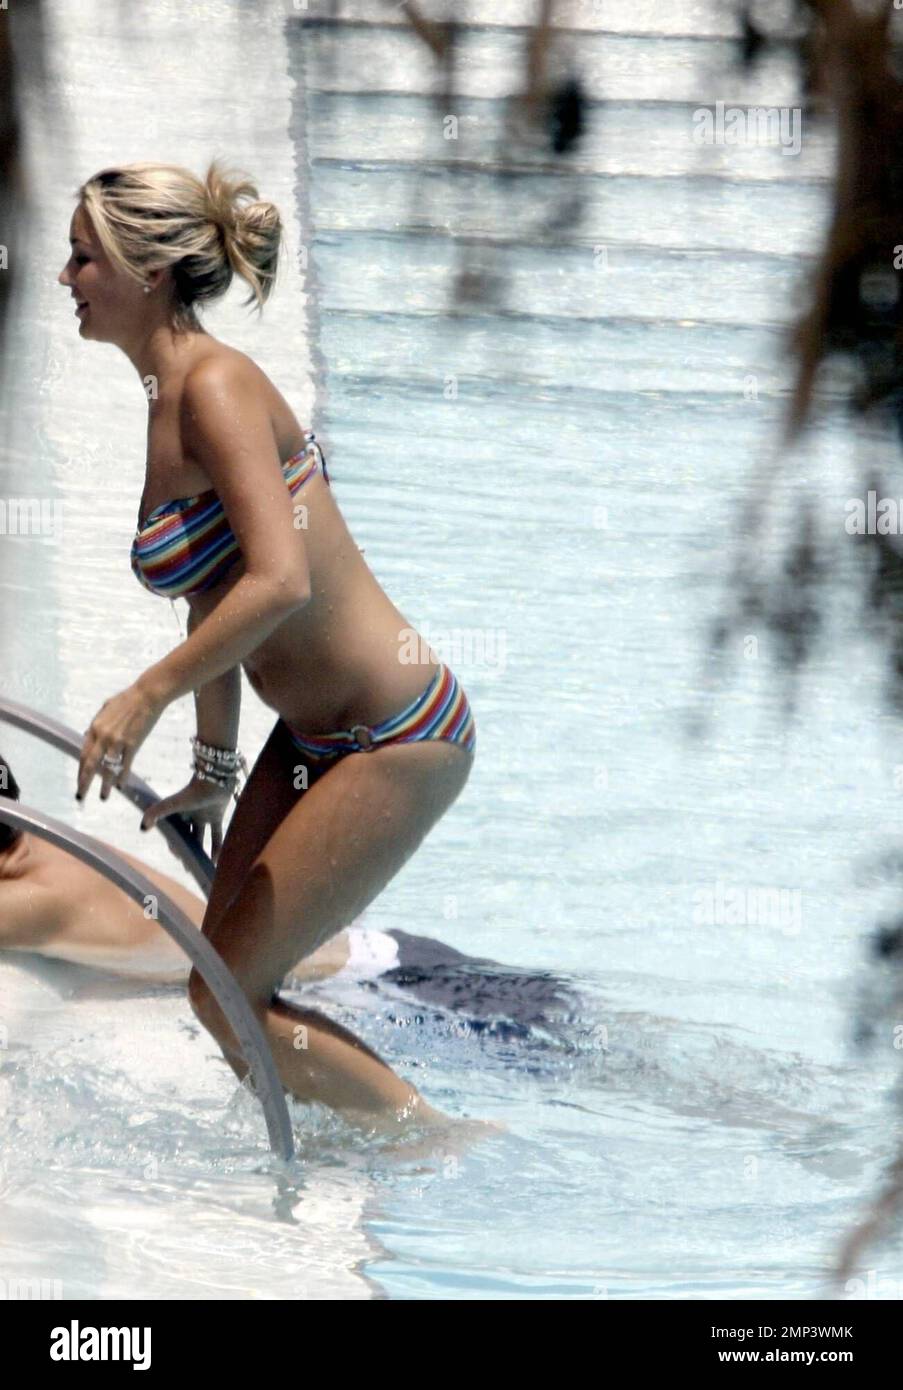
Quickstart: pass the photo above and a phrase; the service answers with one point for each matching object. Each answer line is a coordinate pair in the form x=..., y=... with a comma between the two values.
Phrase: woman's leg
x=329, y=856
x=266, y=799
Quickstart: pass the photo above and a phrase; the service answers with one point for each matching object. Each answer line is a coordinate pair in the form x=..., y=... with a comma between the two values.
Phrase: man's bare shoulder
x=31, y=913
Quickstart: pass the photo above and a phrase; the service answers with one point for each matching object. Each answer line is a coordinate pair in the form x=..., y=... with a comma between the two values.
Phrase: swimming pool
x=550, y=491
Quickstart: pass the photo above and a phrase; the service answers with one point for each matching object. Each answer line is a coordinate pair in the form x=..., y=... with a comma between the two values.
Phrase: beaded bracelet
x=227, y=782
x=218, y=765
x=220, y=757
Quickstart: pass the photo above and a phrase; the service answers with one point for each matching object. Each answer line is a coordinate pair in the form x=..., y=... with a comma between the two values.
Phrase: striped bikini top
x=187, y=545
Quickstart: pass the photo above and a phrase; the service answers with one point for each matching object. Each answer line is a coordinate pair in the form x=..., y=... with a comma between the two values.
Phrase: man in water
x=53, y=904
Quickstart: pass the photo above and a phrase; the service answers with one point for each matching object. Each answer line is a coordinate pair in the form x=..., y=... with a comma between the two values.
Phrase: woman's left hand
x=117, y=731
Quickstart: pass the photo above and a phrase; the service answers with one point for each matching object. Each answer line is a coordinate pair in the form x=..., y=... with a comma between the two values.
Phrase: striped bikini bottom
x=441, y=712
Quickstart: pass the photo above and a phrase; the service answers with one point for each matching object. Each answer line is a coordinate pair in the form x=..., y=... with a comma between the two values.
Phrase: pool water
x=546, y=480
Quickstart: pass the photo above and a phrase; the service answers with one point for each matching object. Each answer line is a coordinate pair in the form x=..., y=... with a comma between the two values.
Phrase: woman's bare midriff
x=342, y=659
x=338, y=661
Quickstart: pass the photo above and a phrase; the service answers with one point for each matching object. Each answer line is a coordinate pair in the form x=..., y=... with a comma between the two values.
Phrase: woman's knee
x=207, y=1010
x=203, y=1002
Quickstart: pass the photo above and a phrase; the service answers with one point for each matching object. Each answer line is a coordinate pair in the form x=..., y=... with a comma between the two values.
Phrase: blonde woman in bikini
x=370, y=747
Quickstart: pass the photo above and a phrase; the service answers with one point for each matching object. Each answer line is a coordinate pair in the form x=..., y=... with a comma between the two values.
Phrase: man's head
x=9, y=787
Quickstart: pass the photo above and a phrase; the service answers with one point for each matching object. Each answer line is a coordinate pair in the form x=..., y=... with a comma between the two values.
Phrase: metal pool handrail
x=216, y=974
x=202, y=954
x=173, y=829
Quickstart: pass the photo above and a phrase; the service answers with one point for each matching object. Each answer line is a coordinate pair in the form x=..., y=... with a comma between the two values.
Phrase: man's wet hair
x=9, y=787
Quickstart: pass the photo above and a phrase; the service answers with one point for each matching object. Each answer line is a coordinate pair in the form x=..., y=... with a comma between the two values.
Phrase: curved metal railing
x=174, y=830
x=172, y=919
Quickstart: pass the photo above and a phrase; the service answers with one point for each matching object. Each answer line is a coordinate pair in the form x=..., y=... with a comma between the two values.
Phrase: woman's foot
x=421, y=1128
x=461, y=1128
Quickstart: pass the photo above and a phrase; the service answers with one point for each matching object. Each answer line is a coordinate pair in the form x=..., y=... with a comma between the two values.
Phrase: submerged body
x=53, y=904
x=56, y=906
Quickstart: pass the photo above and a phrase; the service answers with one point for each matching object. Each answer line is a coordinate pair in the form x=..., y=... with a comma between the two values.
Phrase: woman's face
x=110, y=298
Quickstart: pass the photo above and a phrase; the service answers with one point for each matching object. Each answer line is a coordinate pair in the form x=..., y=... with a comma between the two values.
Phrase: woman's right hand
x=201, y=804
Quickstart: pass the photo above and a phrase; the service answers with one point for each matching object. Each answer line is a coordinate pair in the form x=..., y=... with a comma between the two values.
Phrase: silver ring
x=114, y=763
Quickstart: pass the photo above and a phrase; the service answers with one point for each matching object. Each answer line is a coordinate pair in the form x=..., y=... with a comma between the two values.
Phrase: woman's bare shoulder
x=227, y=369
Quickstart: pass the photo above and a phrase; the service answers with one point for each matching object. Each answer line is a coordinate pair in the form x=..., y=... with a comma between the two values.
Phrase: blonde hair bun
x=148, y=216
